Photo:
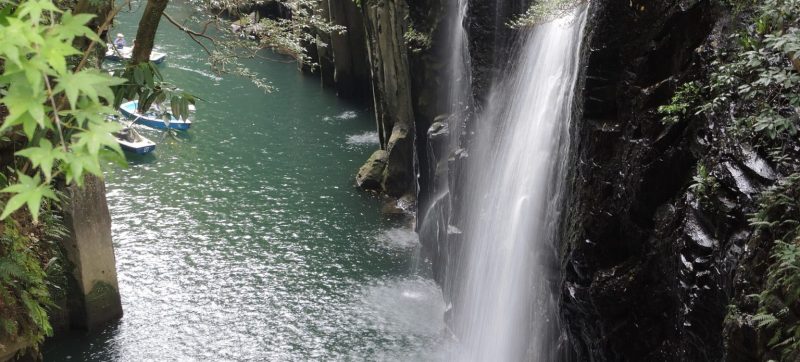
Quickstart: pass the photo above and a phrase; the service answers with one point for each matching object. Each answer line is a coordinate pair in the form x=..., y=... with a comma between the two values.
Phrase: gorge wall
x=645, y=257
x=624, y=279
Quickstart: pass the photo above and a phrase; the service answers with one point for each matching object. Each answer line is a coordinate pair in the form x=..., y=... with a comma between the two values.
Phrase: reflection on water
x=244, y=239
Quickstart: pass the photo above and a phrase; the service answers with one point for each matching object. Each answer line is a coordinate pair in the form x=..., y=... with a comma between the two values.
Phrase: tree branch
x=192, y=34
x=187, y=30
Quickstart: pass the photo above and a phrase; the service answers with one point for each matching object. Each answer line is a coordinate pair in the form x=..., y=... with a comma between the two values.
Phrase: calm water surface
x=244, y=239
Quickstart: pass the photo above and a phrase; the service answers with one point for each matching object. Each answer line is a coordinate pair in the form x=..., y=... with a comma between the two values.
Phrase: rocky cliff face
x=391, y=91
x=651, y=268
x=622, y=274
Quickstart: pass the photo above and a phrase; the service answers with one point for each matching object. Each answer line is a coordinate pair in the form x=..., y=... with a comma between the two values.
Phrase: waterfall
x=444, y=139
x=507, y=289
x=458, y=89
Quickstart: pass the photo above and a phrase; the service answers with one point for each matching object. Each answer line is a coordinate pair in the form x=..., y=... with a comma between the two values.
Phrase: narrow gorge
x=402, y=180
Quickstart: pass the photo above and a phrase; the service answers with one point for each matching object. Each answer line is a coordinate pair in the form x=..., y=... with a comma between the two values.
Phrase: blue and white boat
x=151, y=118
x=126, y=53
x=132, y=141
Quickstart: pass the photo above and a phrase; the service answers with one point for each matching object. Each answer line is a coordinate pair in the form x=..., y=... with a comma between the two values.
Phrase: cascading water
x=458, y=90
x=506, y=308
x=444, y=138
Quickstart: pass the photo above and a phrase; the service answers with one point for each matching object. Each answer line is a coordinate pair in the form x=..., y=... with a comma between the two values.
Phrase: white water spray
x=507, y=306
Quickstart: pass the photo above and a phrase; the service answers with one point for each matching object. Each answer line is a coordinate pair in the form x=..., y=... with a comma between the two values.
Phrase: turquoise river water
x=245, y=239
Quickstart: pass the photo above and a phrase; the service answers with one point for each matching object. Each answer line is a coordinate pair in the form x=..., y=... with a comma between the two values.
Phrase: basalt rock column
x=391, y=86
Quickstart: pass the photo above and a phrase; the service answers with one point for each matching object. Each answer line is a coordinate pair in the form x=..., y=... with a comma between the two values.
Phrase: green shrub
x=683, y=102
x=703, y=183
x=755, y=83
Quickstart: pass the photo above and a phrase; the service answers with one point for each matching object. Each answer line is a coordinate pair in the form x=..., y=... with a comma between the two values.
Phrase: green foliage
x=683, y=103
x=417, y=41
x=542, y=12
x=757, y=83
x=29, y=191
x=778, y=216
x=54, y=114
x=703, y=183
x=760, y=77
x=61, y=111
x=779, y=211
x=293, y=36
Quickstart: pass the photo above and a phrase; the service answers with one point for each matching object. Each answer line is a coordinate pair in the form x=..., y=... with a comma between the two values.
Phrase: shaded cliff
x=622, y=279
x=658, y=245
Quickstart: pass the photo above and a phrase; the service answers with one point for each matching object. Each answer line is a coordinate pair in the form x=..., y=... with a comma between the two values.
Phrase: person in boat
x=119, y=42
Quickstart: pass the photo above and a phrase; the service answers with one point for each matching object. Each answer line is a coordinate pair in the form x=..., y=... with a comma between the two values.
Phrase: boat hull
x=131, y=141
x=159, y=124
x=141, y=150
x=129, y=111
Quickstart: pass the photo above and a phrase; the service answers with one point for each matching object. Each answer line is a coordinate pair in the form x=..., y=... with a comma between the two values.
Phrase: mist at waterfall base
x=506, y=284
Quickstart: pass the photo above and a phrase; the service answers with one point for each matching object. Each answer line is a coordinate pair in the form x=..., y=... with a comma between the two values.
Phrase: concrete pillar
x=90, y=249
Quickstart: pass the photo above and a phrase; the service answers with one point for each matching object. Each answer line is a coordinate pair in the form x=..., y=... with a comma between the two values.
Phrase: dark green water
x=244, y=239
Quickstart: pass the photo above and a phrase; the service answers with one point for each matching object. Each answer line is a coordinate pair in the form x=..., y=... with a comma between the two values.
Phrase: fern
x=764, y=320
x=10, y=270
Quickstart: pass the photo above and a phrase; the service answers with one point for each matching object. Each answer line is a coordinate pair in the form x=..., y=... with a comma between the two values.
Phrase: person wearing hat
x=119, y=42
